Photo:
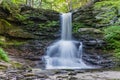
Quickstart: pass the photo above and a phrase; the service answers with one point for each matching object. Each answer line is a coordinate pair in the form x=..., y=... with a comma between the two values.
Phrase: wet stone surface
x=28, y=72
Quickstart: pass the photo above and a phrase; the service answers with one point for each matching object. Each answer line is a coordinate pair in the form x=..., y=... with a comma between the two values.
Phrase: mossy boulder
x=90, y=30
x=19, y=33
x=13, y=31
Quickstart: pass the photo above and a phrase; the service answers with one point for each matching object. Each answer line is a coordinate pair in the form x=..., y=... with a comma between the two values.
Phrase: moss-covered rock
x=107, y=12
x=19, y=33
x=8, y=29
x=23, y=24
x=90, y=30
x=100, y=14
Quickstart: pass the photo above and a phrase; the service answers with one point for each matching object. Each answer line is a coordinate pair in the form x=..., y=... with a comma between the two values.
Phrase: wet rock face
x=29, y=23
x=31, y=49
x=36, y=27
x=7, y=28
x=85, y=15
x=94, y=55
x=103, y=16
x=39, y=14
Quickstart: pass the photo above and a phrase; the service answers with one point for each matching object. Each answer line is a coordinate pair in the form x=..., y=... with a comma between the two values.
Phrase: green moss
x=3, y=55
x=4, y=26
x=116, y=69
x=20, y=17
x=16, y=65
x=8, y=42
x=52, y=23
x=48, y=24
x=77, y=25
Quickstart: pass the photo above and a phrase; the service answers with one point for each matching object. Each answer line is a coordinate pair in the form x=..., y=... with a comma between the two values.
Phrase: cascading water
x=66, y=24
x=65, y=54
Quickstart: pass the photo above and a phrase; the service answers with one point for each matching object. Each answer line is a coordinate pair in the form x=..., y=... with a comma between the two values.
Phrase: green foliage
x=48, y=24
x=105, y=3
x=13, y=8
x=63, y=5
x=112, y=33
x=4, y=26
x=11, y=43
x=3, y=55
x=112, y=36
x=9, y=5
x=4, y=22
x=51, y=23
x=108, y=11
x=77, y=26
x=20, y=17
x=117, y=51
x=18, y=1
x=58, y=5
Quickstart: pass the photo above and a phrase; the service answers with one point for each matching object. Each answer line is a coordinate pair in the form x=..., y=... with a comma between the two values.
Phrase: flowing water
x=65, y=53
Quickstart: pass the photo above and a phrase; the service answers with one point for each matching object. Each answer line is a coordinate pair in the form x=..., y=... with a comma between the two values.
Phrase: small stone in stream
x=69, y=70
x=43, y=79
x=49, y=72
x=14, y=71
x=29, y=78
x=29, y=74
x=2, y=75
x=33, y=58
x=36, y=70
x=20, y=77
x=72, y=78
x=80, y=71
x=16, y=64
x=42, y=76
x=62, y=77
x=5, y=65
x=72, y=73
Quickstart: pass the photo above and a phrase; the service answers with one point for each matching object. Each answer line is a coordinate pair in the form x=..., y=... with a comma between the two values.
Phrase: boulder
x=93, y=30
x=19, y=33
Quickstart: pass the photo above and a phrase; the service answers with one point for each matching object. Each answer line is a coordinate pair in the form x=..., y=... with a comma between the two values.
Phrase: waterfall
x=65, y=54
x=66, y=24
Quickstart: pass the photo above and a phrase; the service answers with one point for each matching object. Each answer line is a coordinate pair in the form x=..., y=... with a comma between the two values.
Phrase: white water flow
x=65, y=53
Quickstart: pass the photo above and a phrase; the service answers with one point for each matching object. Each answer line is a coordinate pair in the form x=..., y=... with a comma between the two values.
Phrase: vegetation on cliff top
x=57, y=5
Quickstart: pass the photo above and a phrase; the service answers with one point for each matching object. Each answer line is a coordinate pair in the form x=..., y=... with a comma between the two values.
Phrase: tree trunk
x=29, y=3
x=1, y=1
x=70, y=5
x=40, y=3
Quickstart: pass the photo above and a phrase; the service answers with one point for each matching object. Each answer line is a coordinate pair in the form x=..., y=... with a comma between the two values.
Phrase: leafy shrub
x=3, y=55
x=112, y=36
x=117, y=51
x=112, y=33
